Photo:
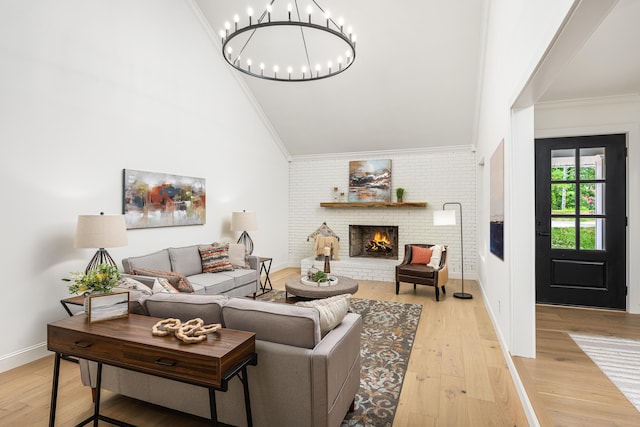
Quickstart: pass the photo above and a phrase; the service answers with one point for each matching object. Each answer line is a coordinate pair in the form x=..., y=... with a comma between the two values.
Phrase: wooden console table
x=128, y=343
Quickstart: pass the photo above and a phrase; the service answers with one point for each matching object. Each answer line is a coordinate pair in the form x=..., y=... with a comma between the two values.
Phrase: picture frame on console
x=107, y=306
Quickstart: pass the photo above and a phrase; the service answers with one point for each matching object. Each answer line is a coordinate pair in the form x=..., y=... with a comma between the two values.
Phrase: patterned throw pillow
x=162, y=285
x=215, y=258
x=177, y=280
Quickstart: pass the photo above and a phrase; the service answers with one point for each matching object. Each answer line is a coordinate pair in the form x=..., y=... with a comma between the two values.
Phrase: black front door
x=581, y=221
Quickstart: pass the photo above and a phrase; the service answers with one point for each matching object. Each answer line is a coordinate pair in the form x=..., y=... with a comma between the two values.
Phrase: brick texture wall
x=434, y=176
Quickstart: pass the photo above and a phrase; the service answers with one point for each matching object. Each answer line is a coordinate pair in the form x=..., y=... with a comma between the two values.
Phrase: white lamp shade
x=244, y=221
x=443, y=217
x=101, y=231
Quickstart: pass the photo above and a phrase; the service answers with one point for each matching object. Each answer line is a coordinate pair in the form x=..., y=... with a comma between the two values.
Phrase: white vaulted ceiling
x=415, y=80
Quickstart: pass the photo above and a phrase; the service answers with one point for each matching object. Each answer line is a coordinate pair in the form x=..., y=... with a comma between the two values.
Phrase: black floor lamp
x=448, y=217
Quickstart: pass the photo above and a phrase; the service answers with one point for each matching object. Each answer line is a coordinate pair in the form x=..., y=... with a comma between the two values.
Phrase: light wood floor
x=457, y=374
x=564, y=386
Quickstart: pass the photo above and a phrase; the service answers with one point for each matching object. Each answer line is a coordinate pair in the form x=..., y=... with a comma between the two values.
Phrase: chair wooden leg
x=414, y=286
x=444, y=291
x=397, y=287
x=437, y=294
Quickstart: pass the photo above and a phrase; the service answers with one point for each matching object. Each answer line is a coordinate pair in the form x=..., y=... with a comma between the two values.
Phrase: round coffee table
x=295, y=286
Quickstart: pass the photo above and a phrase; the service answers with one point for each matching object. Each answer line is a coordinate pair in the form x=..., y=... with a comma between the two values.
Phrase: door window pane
x=563, y=165
x=592, y=234
x=592, y=199
x=563, y=199
x=592, y=164
x=563, y=233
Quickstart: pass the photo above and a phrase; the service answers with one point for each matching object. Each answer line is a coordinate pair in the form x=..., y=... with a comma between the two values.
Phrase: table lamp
x=101, y=231
x=244, y=221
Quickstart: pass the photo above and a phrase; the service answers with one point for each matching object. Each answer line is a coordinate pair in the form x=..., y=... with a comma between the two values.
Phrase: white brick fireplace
x=433, y=176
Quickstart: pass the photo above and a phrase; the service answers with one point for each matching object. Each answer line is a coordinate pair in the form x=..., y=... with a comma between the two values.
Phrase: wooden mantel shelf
x=373, y=205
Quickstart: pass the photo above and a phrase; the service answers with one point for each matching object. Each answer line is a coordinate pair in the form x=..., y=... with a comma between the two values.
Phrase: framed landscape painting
x=370, y=181
x=152, y=199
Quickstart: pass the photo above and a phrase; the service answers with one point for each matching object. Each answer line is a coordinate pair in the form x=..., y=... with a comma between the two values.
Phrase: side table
x=265, y=268
x=77, y=300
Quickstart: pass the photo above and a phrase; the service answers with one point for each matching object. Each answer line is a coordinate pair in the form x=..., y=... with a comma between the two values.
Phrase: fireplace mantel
x=373, y=204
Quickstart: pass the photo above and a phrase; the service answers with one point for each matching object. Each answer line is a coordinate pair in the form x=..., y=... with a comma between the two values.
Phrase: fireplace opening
x=373, y=241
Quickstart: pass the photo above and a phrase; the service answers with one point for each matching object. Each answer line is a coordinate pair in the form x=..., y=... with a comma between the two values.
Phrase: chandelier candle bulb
x=236, y=19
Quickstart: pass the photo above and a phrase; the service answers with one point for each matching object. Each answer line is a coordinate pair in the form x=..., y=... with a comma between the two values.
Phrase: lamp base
x=463, y=295
x=245, y=240
x=101, y=257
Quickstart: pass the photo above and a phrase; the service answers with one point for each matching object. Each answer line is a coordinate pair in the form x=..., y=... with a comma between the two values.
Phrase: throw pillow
x=332, y=310
x=238, y=255
x=215, y=258
x=162, y=285
x=420, y=255
x=132, y=284
x=177, y=280
x=435, y=256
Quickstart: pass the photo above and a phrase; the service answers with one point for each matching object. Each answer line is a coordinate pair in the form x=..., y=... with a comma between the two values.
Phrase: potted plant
x=399, y=194
x=101, y=279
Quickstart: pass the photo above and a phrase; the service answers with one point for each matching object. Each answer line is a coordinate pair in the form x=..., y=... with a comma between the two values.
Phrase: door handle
x=543, y=234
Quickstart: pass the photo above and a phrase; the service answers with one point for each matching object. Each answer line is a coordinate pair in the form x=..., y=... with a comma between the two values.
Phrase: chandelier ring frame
x=286, y=76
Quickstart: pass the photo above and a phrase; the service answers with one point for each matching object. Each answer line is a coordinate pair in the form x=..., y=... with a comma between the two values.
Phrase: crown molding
x=383, y=153
x=588, y=102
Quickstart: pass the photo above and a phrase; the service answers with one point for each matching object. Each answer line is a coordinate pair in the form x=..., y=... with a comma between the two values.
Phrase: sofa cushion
x=155, y=261
x=238, y=255
x=208, y=283
x=185, y=260
x=215, y=258
x=177, y=280
x=242, y=276
x=332, y=310
x=278, y=323
x=186, y=306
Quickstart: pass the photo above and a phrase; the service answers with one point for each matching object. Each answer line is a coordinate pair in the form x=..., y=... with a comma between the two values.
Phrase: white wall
x=518, y=33
x=88, y=88
x=605, y=116
x=434, y=176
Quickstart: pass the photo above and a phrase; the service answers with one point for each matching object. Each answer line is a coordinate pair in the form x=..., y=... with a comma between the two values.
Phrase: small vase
x=399, y=199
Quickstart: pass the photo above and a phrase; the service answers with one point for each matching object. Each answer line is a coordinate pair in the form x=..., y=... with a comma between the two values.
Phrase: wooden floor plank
x=564, y=386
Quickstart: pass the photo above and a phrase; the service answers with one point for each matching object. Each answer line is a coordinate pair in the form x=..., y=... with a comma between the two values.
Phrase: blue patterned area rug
x=388, y=333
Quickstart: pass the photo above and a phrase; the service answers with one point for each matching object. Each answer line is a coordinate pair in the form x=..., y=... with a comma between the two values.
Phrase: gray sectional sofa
x=186, y=260
x=302, y=379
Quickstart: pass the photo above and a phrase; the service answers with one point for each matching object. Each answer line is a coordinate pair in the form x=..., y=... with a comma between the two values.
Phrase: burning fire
x=381, y=238
x=379, y=243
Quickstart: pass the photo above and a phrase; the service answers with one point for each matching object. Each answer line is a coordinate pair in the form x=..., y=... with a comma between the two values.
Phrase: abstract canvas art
x=496, y=206
x=152, y=199
x=370, y=181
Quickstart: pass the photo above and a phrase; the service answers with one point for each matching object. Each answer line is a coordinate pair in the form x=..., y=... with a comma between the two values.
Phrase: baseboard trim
x=23, y=356
x=522, y=392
